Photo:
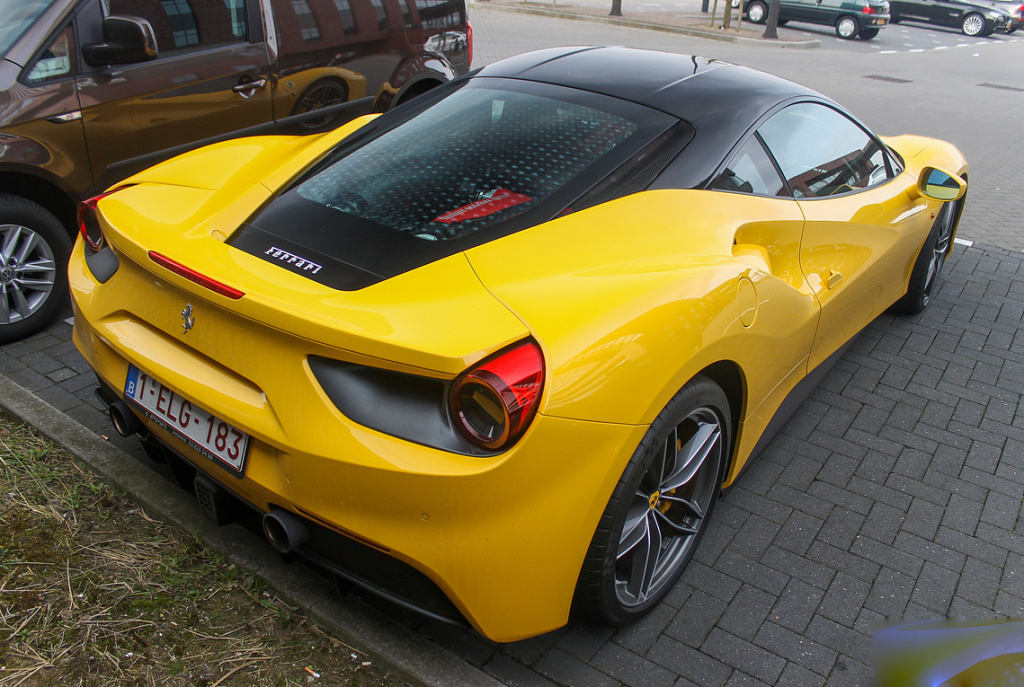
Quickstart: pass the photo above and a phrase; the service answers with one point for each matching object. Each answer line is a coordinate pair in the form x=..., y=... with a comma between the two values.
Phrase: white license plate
x=209, y=435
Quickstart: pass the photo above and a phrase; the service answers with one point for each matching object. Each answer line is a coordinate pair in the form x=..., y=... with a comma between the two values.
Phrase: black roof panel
x=685, y=86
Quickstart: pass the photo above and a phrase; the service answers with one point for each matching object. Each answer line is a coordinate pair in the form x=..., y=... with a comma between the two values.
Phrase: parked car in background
x=94, y=90
x=851, y=18
x=973, y=18
x=1015, y=8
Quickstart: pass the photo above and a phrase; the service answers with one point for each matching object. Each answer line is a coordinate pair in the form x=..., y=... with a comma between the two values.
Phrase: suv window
x=751, y=171
x=57, y=61
x=822, y=152
x=182, y=25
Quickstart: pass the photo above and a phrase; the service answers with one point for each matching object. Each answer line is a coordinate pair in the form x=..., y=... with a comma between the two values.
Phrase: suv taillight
x=493, y=403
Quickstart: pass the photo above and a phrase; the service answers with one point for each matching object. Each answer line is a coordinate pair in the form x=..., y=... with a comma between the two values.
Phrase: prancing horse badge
x=190, y=321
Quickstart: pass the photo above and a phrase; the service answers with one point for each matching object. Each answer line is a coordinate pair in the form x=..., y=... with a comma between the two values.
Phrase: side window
x=823, y=152
x=57, y=61
x=751, y=171
x=185, y=25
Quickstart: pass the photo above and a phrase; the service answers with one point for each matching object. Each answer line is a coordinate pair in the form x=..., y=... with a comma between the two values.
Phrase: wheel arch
x=729, y=377
x=44, y=193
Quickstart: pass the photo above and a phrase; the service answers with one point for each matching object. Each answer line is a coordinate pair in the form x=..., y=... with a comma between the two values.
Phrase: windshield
x=16, y=16
x=489, y=159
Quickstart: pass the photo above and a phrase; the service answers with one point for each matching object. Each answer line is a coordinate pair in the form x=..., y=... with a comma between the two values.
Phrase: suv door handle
x=245, y=89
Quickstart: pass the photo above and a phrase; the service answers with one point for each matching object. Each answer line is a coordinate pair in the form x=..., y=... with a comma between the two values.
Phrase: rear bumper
x=502, y=537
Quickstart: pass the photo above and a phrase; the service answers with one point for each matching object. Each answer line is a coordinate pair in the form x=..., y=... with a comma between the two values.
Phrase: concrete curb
x=392, y=646
x=650, y=26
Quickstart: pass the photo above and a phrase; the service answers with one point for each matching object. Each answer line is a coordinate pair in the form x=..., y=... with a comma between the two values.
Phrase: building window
x=348, y=20
x=236, y=8
x=307, y=22
x=382, y=15
x=183, y=22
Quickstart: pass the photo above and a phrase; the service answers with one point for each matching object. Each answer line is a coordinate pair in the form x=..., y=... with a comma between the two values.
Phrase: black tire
x=928, y=267
x=757, y=12
x=868, y=34
x=320, y=94
x=847, y=27
x=973, y=25
x=34, y=252
x=652, y=512
x=783, y=22
x=1012, y=31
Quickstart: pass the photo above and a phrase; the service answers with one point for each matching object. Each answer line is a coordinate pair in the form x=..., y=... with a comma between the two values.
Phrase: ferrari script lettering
x=292, y=259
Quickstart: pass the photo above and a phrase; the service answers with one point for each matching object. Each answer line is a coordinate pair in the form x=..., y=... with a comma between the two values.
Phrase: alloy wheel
x=668, y=510
x=27, y=273
x=973, y=25
x=943, y=238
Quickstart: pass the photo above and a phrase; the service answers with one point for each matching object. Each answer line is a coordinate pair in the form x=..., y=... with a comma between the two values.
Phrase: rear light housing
x=867, y=9
x=89, y=223
x=493, y=403
x=195, y=277
x=469, y=43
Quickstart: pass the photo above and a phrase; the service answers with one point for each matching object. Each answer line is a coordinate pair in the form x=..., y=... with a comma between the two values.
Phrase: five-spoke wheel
x=924, y=278
x=660, y=508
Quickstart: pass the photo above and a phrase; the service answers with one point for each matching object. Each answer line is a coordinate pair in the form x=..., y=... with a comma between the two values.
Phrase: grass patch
x=94, y=592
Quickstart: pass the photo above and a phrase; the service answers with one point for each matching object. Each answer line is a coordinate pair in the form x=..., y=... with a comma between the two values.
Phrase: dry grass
x=93, y=592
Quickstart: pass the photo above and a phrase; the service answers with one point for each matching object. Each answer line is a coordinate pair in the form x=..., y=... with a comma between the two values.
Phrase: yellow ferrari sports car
x=495, y=354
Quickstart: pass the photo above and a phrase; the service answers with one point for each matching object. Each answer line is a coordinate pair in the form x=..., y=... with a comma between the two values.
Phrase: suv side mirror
x=939, y=184
x=126, y=39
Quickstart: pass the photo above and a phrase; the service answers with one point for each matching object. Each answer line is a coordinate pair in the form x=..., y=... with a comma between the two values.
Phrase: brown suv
x=93, y=90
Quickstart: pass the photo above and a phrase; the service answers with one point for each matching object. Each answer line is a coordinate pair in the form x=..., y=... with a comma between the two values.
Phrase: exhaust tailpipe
x=285, y=532
x=125, y=422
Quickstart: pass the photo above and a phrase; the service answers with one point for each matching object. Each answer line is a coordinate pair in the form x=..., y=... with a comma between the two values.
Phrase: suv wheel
x=847, y=27
x=34, y=252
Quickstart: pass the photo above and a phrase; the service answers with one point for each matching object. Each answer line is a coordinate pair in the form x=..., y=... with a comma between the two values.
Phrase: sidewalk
x=683, y=18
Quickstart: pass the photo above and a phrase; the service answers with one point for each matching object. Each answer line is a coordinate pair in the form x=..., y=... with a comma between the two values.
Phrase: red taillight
x=494, y=402
x=193, y=276
x=89, y=223
x=867, y=10
x=469, y=42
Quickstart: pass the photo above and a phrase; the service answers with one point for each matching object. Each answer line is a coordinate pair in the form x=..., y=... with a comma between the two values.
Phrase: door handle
x=246, y=89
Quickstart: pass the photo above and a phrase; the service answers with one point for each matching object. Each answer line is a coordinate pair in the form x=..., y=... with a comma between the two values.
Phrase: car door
x=210, y=77
x=42, y=126
x=778, y=307
x=799, y=10
x=862, y=231
x=943, y=13
x=912, y=9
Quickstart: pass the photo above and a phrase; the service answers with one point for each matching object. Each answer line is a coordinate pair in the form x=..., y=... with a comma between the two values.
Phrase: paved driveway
x=895, y=491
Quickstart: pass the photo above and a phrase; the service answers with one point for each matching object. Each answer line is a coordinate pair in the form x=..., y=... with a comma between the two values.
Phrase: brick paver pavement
x=896, y=490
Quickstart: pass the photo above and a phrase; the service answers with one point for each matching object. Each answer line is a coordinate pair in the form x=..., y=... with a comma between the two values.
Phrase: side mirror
x=938, y=184
x=126, y=39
